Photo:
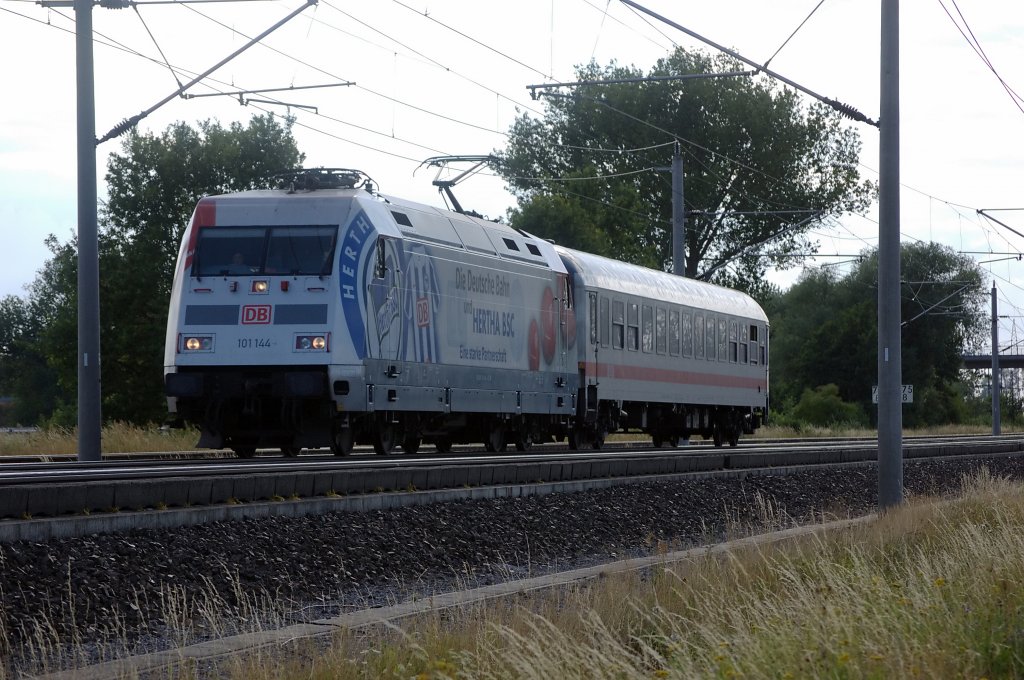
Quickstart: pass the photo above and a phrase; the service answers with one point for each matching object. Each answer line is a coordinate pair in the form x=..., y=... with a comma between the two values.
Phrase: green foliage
x=24, y=373
x=824, y=329
x=584, y=173
x=153, y=185
x=823, y=407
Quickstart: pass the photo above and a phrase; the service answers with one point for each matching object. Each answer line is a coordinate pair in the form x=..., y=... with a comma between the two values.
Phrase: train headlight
x=260, y=286
x=312, y=343
x=197, y=343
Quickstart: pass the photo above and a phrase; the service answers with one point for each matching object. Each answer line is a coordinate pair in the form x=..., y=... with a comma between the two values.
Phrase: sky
x=449, y=77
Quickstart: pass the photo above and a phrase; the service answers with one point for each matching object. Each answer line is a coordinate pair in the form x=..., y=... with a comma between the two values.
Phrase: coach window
x=660, y=330
x=687, y=335
x=723, y=340
x=734, y=349
x=710, y=348
x=618, y=324
x=698, y=336
x=753, y=344
x=633, y=327
x=744, y=330
x=648, y=329
x=592, y=309
x=673, y=332
x=605, y=321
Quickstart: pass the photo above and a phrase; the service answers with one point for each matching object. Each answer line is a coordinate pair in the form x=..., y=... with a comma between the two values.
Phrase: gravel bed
x=94, y=597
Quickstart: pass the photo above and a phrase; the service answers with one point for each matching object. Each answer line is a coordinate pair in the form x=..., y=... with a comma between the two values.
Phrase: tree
x=24, y=373
x=756, y=162
x=824, y=330
x=153, y=185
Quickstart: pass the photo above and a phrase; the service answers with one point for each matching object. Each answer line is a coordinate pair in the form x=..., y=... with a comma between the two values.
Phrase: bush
x=823, y=407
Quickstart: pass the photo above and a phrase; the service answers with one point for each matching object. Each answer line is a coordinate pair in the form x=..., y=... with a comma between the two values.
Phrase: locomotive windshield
x=223, y=251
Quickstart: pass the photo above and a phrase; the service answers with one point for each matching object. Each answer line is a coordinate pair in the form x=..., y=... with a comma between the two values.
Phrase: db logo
x=256, y=314
x=422, y=312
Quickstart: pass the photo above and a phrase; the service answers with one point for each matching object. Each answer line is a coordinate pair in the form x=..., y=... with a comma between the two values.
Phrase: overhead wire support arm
x=984, y=213
x=264, y=90
x=129, y=123
x=244, y=101
x=621, y=81
x=845, y=109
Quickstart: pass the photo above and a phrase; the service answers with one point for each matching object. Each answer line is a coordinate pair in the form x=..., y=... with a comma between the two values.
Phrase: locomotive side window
x=301, y=250
x=380, y=266
x=633, y=328
x=674, y=339
x=648, y=329
x=592, y=310
x=605, y=321
x=221, y=251
x=698, y=336
x=710, y=348
x=687, y=334
x=618, y=324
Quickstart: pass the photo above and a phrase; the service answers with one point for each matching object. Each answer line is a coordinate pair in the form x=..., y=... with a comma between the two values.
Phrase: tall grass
x=116, y=438
x=787, y=432
x=51, y=642
x=929, y=590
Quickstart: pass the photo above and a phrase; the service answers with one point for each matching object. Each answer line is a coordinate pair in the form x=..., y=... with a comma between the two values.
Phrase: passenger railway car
x=325, y=314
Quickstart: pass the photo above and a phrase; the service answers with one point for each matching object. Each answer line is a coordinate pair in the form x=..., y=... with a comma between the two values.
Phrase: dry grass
x=773, y=432
x=187, y=615
x=934, y=589
x=116, y=438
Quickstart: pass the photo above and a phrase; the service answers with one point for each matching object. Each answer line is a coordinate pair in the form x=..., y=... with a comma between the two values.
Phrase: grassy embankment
x=932, y=590
x=116, y=438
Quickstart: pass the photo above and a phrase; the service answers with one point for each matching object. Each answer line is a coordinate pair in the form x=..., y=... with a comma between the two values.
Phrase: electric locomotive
x=324, y=313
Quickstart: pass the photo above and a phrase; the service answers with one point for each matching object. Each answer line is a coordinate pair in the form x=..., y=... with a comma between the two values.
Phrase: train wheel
x=290, y=451
x=574, y=440
x=599, y=439
x=411, y=445
x=657, y=441
x=343, y=441
x=443, y=445
x=384, y=439
x=244, y=451
x=523, y=441
x=495, y=442
x=716, y=434
x=734, y=437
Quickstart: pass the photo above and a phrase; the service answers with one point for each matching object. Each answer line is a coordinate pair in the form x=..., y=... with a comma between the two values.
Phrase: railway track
x=46, y=500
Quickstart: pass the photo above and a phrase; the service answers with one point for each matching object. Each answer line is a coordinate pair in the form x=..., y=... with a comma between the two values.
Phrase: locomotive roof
x=630, y=279
x=408, y=219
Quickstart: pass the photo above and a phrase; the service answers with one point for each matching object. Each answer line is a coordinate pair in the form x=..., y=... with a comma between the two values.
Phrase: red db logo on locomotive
x=253, y=314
